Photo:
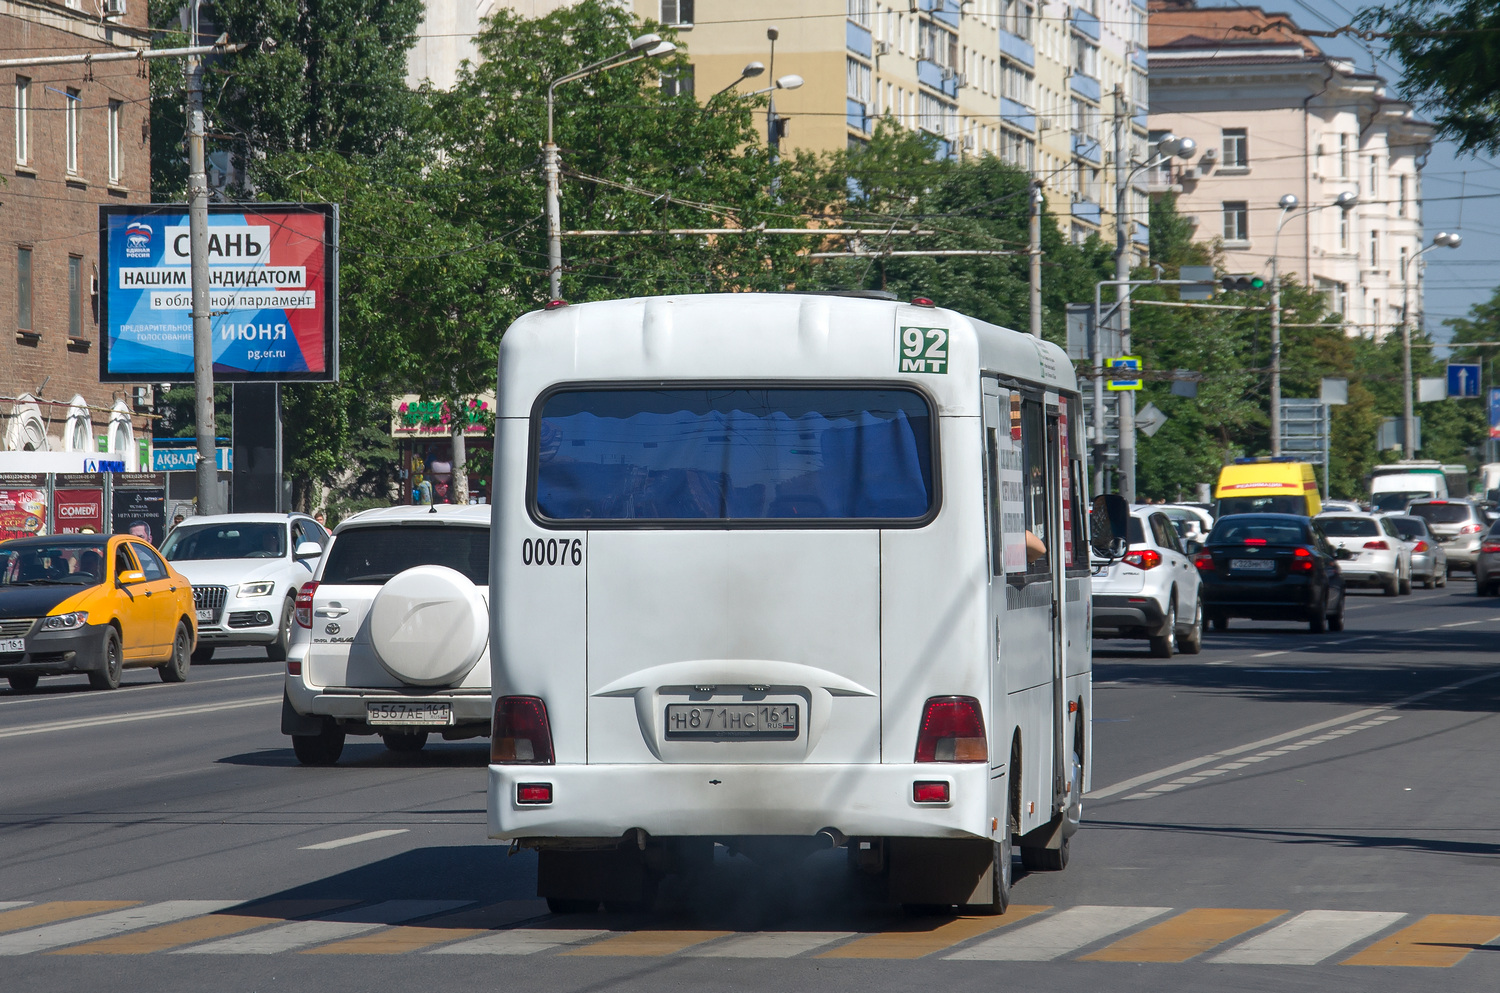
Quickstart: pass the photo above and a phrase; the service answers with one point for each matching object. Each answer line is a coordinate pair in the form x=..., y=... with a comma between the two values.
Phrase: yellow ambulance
x=1267, y=485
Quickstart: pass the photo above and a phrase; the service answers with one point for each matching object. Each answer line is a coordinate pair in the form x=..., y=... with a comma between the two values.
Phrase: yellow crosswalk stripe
x=648, y=943
x=439, y=930
x=204, y=928
x=1190, y=933
x=1436, y=941
x=915, y=940
x=60, y=910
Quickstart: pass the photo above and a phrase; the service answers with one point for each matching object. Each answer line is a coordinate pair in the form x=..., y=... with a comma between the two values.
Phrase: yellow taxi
x=92, y=604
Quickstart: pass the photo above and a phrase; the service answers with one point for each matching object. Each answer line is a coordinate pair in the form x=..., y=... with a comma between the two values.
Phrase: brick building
x=74, y=136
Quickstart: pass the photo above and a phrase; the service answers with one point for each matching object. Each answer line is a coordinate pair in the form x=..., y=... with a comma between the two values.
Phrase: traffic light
x=1243, y=282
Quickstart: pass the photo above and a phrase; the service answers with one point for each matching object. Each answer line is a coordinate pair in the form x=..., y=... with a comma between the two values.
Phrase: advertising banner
x=139, y=505
x=1495, y=412
x=23, y=505
x=273, y=292
x=77, y=503
x=186, y=459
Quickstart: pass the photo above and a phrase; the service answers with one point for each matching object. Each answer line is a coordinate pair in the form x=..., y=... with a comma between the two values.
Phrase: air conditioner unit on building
x=1044, y=123
x=1210, y=153
x=882, y=48
x=960, y=80
x=968, y=143
x=114, y=8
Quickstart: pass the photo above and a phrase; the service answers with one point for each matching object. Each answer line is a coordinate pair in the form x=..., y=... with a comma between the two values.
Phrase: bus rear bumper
x=605, y=801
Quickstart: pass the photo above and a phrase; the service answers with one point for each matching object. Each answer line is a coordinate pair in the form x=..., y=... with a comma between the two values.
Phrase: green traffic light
x=1256, y=283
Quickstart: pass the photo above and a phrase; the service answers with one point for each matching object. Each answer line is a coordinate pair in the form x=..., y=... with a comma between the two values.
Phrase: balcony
x=1142, y=235
x=1087, y=148
x=1085, y=23
x=946, y=11
x=931, y=74
x=1140, y=59
x=1139, y=118
x=1084, y=86
x=1018, y=48
x=856, y=115
x=858, y=40
x=1086, y=210
x=1017, y=115
x=945, y=150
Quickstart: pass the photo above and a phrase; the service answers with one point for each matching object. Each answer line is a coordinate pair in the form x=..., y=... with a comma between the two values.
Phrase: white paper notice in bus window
x=1013, y=496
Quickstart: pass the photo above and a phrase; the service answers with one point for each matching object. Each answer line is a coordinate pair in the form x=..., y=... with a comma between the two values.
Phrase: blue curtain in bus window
x=640, y=455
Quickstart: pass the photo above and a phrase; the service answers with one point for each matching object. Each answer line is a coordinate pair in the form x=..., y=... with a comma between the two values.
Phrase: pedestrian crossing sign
x=1123, y=363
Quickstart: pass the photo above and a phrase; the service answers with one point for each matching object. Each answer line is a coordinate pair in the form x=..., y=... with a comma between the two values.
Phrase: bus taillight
x=952, y=731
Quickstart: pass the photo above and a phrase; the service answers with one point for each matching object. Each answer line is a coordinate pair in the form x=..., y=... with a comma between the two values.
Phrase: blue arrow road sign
x=1463, y=380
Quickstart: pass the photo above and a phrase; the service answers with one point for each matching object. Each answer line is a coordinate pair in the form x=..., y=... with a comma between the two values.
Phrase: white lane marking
x=324, y=846
x=520, y=941
x=1358, y=715
x=1266, y=655
x=1055, y=936
x=142, y=715
x=768, y=944
x=1308, y=938
x=13, y=904
x=40, y=939
x=300, y=934
x=1463, y=624
x=35, y=698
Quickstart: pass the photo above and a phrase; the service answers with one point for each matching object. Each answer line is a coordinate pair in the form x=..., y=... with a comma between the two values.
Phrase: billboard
x=273, y=292
x=138, y=506
x=78, y=503
x=23, y=505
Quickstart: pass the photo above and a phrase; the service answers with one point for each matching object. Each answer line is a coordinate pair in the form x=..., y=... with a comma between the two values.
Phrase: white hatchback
x=1152, y=592
x=393, y=634
x=1379, y=555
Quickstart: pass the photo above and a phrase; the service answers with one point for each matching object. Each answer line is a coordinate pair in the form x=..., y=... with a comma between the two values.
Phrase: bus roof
x=1266, y=479
x=783, y=337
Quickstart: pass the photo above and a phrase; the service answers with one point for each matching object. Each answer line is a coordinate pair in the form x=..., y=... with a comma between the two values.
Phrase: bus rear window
x=700, y=455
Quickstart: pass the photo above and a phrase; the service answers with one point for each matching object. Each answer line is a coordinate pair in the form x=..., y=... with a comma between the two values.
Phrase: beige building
x=1273, y=115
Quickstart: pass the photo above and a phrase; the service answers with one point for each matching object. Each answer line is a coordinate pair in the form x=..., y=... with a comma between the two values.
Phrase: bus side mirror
x=1109, y=524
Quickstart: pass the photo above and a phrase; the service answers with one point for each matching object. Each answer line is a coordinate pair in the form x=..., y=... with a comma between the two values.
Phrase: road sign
x=1335, y=390
x=1150, y=420
x=1463, y=379
x=1204, y=289
x=1124, y=363
x=1430, y=388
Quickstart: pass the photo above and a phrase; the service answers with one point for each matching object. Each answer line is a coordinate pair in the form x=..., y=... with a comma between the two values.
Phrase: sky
x=1456, y=278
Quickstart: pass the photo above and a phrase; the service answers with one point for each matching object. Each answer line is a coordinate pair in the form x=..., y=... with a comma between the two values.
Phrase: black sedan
x=1271, y=567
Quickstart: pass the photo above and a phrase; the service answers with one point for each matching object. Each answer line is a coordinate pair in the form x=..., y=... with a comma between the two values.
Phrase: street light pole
x=1409, y=423
x=647, y=46
x=203, y=342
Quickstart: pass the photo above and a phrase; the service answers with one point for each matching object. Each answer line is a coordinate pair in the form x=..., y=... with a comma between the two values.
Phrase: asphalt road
x=1283, y=812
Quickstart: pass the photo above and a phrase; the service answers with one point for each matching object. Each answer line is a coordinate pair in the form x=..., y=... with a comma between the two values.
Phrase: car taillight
x=1420, y=547
x=1255, y=541
x=952, y=731
x=1379, y=545
x=1300, y=565
x=532, y=794
x=1302, y=553
x=929, y=792
x=521, y=733
x=1490, y=546
x=1204, y=562
x=1146, y=558
x=1471, y=529
x=304, y=603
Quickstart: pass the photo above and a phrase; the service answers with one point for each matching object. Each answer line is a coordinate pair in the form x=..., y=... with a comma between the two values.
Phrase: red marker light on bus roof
x=554, y=304
x=922, y=302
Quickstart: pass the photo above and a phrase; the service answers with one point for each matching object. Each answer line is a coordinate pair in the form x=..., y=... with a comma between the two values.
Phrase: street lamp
x=790, y=81
x=1442, y=239
x=751, y=70
x=1345, y=201
x=1169, y=147
x=647, y=46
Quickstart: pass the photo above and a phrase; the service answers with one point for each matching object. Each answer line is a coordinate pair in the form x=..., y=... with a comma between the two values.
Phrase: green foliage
x=168, y=110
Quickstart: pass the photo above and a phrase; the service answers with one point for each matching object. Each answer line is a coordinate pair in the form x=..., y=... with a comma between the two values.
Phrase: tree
x=1450, y=53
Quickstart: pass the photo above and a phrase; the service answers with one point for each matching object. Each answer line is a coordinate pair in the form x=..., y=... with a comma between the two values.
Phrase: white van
x=761, y=577
x=1394, y=486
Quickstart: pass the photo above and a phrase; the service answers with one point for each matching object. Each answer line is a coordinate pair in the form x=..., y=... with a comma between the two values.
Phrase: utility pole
x=1036, y=258
x=1122, y=294
x=203, y=345
x=773, y=126
x=1276, y=360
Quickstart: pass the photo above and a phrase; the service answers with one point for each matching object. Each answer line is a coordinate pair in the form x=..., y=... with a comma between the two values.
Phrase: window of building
x=1403, y=261
x=858, y=81
x=23, y=120
x=70, y=131
x=1236, y=148
x=75, y=296
x=1236, y=220
x=1016, y=149
x=934, y=116
x=679, y=12
x=1375, y=316
x=1343, y=230
x=937, y=44
x=859, y=12
x=1085, y=119
x=1017, y=84
x=678, y=83
x=1372, y=176
x=1336, y=294
x=1401, y=192
x=1085, y=57
x=115, y=170
x=23, y=289
x=1374, y=249
x=1346, y=143
x=1017, y=16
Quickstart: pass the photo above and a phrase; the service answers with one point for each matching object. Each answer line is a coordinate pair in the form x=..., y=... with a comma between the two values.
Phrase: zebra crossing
x=1122, y=934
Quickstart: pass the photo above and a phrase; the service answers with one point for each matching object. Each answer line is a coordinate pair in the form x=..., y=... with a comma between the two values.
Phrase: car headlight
x=256, y=589
x=65, y=622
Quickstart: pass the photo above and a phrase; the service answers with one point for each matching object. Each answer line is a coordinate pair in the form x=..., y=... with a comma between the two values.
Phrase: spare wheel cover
x=429, y=625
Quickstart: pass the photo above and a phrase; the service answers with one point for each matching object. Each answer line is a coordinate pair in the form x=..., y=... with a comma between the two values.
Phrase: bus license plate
x=1252, y=565
x=409, y=713
x=732, y=721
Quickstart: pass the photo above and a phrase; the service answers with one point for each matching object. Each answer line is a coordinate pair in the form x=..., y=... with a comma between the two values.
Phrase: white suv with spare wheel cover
x=392, y=633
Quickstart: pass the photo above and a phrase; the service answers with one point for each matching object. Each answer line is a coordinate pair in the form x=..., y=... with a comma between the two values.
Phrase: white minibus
x=788, y=572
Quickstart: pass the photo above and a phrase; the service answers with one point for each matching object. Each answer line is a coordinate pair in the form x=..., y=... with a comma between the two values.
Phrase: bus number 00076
x=552, y=551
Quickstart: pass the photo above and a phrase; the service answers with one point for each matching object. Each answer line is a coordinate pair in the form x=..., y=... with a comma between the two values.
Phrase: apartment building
x=1274, y=115
x=78, y=136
